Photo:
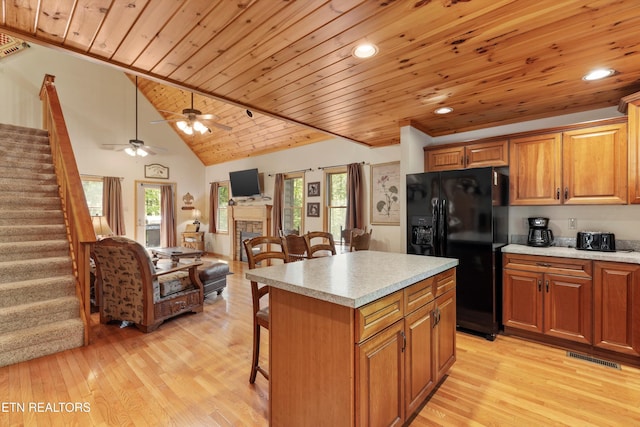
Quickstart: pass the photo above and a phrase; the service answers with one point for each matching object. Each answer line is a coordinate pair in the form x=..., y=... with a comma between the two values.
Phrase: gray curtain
x=278, y=203
x=355, y=193
x=213, y=207
x=112, y=207
x=168, y=228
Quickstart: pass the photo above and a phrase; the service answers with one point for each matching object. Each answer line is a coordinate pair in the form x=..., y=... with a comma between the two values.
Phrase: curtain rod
x=99, y=176
x=337, y=166
x=301, y=170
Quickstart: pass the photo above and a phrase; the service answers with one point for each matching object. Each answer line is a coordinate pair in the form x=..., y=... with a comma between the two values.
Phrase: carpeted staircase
x=39, y=310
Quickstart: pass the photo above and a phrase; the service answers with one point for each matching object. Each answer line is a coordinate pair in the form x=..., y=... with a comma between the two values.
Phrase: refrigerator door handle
x=442, y=231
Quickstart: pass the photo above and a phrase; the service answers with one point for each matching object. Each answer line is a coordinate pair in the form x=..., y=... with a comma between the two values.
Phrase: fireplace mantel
x=261, y=213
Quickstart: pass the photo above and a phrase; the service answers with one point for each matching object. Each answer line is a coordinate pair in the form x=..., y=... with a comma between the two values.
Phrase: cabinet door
x=380, y=378
x=487, y=154
x=420, y=369
x=445, y=333
x=535, y=170
x=617, y=307
x=567, y=307
x=634, y=148
x=595, y=165
x=522, y=300
x=444, y=159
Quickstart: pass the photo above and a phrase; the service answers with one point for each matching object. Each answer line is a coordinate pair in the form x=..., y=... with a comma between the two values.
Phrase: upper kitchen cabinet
x=535, y=171
x=461, y=156
x=631, y=106
x=581, y=166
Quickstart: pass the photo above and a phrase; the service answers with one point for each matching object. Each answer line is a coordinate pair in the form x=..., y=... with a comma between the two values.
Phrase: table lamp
x=101, y=227
x=196, y=218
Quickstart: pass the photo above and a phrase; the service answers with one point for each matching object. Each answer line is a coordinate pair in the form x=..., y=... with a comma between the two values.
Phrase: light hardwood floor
x=194, y=371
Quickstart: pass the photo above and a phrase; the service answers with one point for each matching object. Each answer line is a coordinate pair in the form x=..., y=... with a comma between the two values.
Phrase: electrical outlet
x=573, y=223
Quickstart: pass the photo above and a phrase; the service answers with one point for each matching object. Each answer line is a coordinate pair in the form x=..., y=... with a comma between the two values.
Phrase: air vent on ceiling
x=595, y=360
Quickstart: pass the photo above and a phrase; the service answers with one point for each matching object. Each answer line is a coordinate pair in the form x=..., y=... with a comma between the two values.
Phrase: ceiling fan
x=136, y=146
x=192, y=120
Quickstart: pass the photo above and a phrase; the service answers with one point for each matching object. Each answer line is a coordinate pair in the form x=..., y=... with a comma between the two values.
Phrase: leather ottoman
x=213, y=276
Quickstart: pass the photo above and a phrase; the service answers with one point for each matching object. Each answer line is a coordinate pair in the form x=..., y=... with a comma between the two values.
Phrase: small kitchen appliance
x=596, y=241
x=539, y=234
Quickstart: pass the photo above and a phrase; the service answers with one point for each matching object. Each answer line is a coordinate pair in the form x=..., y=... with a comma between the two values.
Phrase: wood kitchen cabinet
x=548, y=296
x=617, y=307
x=579, y=166
x=631, y=105
x=477, y=155
x=401, y=364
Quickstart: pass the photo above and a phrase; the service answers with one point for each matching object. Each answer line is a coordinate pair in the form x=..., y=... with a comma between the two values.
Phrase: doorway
x=149, y=218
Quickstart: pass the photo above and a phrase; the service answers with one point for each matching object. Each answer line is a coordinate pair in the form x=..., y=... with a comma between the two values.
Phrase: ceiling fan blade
x=154, y=150
x=114, y=147
x=208, y=117
x=153, y=122
x=172, y=112
x=221, y=126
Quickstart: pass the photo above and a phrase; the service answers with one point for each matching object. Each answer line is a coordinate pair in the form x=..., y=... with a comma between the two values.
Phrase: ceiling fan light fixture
x=598, y=74
x=199, y=127
x=141, y=152
x=182, y=125
x=130, y=151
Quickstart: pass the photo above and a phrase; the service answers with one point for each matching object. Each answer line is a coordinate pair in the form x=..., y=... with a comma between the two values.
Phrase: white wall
x=98, y=103
x=333, y=152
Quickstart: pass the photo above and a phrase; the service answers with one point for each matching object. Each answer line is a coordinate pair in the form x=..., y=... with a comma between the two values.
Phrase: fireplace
x=248, y=219
x=243, y=236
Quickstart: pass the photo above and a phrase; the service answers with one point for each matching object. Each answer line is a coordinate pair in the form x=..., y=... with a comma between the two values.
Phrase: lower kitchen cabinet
x=400, y=365
x=617, y=307
x=549, y=296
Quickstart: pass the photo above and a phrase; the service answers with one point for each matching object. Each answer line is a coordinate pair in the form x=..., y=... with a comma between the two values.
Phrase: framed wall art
x=313, y=209
x=385, y=194
x=313, y=189
x=156, y=170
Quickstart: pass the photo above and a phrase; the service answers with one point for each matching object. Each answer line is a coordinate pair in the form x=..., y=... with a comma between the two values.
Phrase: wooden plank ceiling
x=493, y=61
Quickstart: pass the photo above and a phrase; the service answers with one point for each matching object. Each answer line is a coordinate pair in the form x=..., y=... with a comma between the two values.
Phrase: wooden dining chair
x=296, y=247
x=345, y=235
x=319, y=241
x=360, y=242
x=268, y=248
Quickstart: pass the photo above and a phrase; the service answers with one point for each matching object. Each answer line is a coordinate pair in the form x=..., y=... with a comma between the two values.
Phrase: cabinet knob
x=547, y=285
x=539, y=285
x=558, y=193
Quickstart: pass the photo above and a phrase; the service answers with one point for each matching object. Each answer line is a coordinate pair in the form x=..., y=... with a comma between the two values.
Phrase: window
x=93, y=194
x=222, y=215
x=336, y=201
x=293, y=203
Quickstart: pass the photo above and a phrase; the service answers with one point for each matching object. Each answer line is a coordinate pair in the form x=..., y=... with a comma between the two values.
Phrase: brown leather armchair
x=134, y=290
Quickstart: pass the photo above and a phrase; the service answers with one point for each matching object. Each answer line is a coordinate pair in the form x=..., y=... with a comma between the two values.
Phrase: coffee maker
x=539, y=234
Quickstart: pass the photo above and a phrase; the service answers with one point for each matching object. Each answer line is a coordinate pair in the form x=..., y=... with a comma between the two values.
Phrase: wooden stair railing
x=76, y=213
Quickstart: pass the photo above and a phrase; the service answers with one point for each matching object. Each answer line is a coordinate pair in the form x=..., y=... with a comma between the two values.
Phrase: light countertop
x=619, y=256
x=351, y=279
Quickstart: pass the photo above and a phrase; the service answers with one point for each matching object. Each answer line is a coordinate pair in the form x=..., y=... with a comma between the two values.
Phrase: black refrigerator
x=464, y=214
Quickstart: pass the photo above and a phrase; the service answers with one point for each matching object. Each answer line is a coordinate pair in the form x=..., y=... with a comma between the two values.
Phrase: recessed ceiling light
x=598, y=74
x=443, y=110
x=365, y=50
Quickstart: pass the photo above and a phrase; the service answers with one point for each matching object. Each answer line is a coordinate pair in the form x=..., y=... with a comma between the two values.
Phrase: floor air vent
x=595, y=360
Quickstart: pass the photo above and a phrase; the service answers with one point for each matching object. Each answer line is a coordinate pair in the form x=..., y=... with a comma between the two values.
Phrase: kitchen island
x=359, y=338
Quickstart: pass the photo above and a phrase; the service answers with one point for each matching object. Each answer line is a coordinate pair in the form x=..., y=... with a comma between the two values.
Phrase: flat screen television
x=245, y=183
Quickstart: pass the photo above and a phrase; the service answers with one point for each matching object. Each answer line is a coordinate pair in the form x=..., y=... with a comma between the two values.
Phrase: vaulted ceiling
x=290, y=62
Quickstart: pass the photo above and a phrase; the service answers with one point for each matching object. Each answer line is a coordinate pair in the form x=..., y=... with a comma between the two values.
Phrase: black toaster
x=596, y=241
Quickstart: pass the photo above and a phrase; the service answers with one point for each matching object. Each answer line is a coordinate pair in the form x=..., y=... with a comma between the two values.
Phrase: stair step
x=33, y=233
x=27, y=344
x=30, y=218
x=15, y=251
x=20, y=189
x=24, y=157
x=27, y=202
x=26, y=291
x=25, y=169
x=38, y=313
x=25, y=145
x=22, y=130
x=27, y=175
x=13, y=271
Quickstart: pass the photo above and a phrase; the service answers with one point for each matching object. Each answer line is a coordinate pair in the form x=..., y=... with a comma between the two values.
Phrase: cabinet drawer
x=543, y=264
x=376, y=316
x=176, y=305
x=445, y=281
x=419, y=294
